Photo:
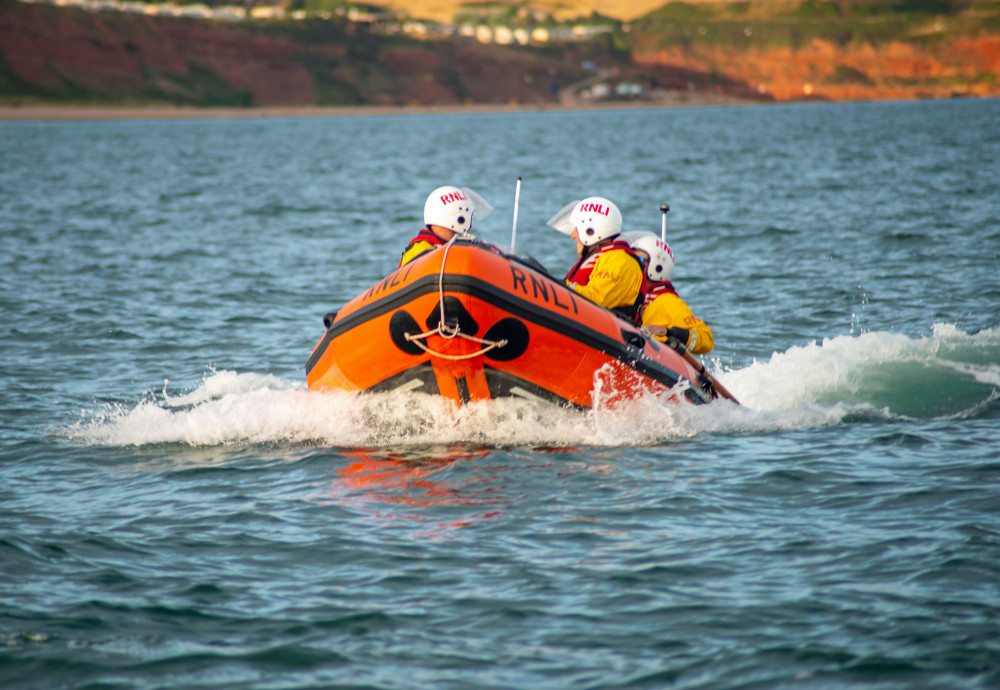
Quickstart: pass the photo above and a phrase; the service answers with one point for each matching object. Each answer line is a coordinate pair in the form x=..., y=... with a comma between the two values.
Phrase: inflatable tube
x=468, y=322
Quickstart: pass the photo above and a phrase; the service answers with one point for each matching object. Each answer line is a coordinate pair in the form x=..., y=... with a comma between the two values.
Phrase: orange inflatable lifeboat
x=468, y=322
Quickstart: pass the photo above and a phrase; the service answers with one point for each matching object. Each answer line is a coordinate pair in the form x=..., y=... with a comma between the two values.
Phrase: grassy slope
x=842, y=51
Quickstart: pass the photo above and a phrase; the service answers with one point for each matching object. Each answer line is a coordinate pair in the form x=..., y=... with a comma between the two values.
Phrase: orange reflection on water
x=402, y=488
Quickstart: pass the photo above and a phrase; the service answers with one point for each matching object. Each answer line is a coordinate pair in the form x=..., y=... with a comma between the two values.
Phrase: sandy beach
x=46, y=112
x=59, y=112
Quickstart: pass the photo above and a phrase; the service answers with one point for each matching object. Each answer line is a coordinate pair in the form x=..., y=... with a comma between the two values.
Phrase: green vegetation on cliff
x=841, y=22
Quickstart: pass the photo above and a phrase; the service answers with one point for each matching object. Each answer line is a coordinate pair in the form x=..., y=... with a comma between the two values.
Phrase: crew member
x=448, y=212
x=607, y=271
x=663, y=314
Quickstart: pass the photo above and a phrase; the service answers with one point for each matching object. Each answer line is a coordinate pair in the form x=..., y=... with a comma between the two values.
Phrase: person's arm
x=614, y=282
x=667, y=312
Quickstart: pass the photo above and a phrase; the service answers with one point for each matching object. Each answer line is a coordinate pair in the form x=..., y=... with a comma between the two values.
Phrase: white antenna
x=517, y=200
x=663, y=222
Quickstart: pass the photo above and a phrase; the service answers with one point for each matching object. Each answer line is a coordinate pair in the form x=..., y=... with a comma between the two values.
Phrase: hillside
x=832, y=50
x=66, y=55
x=679, y=53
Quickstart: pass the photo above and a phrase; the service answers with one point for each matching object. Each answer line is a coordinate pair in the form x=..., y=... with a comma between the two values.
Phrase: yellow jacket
x=669, y=310
x=423, y=242
x=415, y=250
x=611, y=277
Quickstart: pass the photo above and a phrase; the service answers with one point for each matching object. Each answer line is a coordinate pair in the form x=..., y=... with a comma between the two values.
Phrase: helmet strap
x=597, y=245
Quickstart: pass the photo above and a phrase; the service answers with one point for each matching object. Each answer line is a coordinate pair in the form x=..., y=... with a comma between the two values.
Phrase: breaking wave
x=879, y=375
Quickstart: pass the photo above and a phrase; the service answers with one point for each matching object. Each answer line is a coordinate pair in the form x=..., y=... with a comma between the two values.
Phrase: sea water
x=177, y=510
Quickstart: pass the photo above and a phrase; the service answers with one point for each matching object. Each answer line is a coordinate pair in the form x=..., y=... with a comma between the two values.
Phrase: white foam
x=818, y=384
x=844, y=366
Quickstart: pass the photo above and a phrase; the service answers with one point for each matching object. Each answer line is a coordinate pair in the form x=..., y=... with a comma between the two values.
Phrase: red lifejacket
x=580, y=273
x=424, y=235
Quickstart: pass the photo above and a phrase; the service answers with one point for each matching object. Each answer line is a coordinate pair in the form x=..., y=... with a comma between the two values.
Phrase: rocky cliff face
x=52, y=54
x=69, y=54
x=962, y=66
x=63, y=54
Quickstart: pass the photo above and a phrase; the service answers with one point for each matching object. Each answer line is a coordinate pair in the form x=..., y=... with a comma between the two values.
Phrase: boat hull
x=490, y=326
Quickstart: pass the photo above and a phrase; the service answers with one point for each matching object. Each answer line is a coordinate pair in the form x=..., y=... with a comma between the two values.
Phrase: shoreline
x=48, y=112
x=43, y=112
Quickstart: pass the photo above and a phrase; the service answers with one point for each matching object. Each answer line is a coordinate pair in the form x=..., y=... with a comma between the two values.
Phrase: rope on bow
x=446, y=331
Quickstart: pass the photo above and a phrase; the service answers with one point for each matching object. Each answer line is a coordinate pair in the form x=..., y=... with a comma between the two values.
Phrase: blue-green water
x=178, y=511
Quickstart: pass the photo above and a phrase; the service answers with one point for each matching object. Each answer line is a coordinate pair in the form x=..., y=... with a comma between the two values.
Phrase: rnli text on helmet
x=595, y=208
x=452, y=196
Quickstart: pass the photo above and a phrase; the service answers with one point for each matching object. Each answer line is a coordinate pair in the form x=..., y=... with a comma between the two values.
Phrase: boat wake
x=841, y=380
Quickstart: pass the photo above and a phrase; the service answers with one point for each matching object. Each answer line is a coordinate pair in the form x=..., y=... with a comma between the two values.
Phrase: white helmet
x=595, y=219
x=453, y=208
x=661, y=257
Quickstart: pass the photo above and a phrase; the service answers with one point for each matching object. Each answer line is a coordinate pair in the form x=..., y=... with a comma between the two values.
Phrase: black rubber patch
x=454, y=315
x=400, y=324
x=504, y=385
x=514, y=332
x=422, y=372
x=463, y=389
x=633, y=338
